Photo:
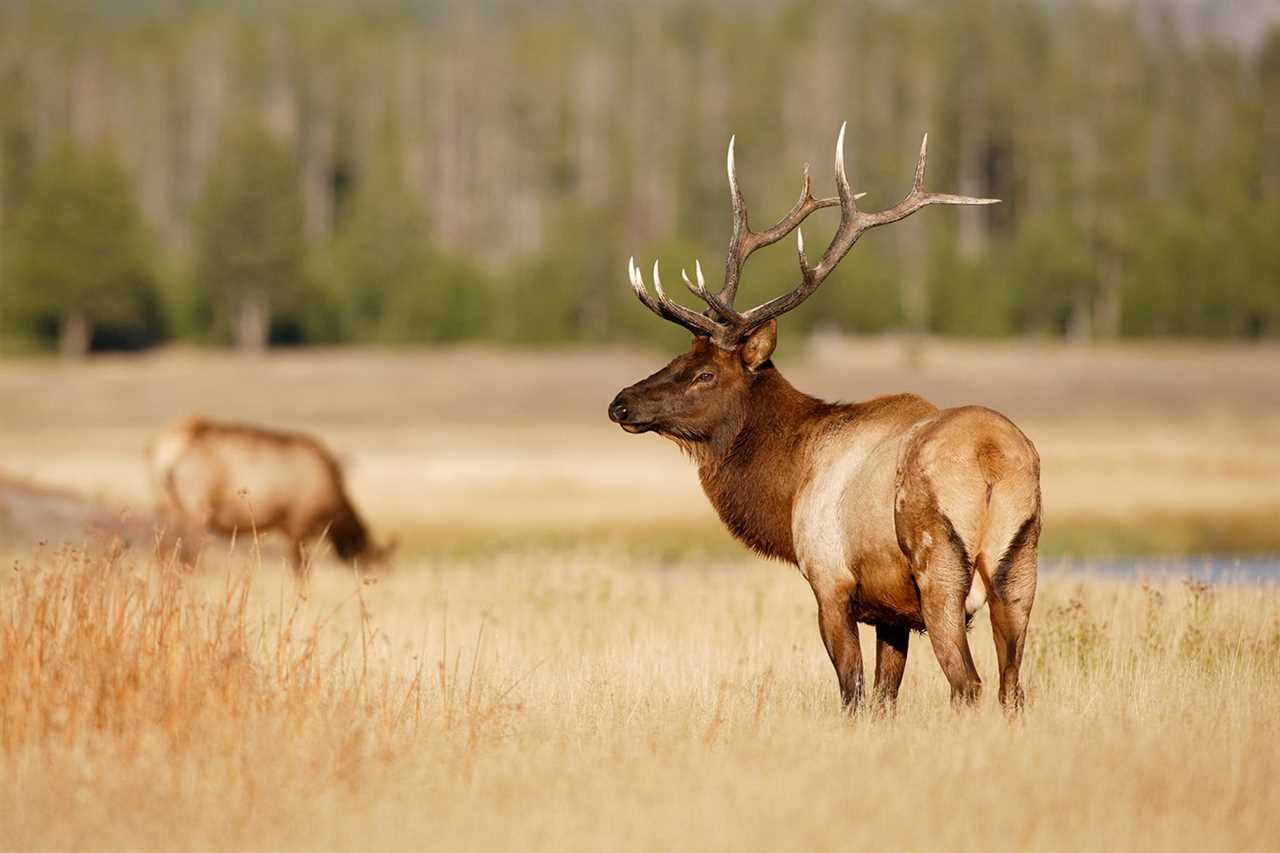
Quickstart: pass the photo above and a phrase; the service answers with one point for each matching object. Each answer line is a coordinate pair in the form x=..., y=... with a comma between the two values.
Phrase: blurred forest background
x=381, y=171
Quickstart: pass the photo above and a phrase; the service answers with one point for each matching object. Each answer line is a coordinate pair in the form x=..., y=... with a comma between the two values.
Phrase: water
x=1211, y=568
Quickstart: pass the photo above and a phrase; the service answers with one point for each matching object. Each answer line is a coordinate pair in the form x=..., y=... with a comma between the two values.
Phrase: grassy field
x=570, y=654
x=466, y=451
x=576, y=700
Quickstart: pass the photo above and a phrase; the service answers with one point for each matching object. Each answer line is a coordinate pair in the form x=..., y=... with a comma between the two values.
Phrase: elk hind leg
x=944, y=577
x=1013, y=587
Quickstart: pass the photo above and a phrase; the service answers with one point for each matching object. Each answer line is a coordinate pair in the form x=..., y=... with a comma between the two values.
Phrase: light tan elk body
x=900, y=515
x=233, y=478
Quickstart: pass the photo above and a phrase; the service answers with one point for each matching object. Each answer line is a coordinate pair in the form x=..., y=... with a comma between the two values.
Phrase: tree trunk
x=971, y=236
x=913, y=236
x=318, y=146
x=1080, y=322
x=1107, y=307
x=253, y=322
x=916, y=312
x=75, y=336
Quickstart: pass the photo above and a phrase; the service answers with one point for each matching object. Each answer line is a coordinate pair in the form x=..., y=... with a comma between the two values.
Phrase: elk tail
x=1012, y=520
x=977, y=596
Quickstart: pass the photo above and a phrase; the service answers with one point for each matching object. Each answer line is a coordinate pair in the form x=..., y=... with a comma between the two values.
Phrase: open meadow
x=1159, y=448
x=569, y=653
x=343, y=281
x=580, y=700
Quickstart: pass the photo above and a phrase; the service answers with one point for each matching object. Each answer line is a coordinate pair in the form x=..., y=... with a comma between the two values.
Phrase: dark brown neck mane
x=751, y=473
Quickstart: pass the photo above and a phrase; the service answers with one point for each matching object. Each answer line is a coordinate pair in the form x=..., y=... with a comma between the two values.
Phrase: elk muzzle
x=622, y=411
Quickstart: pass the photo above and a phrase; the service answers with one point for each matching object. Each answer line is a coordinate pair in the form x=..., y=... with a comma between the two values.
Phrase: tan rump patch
x=991, y=460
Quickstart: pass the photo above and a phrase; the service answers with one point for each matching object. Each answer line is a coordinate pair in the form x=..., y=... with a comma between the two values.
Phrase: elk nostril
x=618, y=409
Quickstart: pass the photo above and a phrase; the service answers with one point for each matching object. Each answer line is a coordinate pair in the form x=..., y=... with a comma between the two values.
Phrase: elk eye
x=705, y=376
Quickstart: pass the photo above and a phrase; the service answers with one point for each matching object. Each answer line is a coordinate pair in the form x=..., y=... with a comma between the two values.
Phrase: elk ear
x=758, y=346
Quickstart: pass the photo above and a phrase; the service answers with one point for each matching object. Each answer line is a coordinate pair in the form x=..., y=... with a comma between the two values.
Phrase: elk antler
x=724, y=324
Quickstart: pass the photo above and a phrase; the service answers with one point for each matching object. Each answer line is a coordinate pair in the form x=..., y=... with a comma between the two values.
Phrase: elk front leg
x=891, y=662
x=183, y=537
x=840, y=635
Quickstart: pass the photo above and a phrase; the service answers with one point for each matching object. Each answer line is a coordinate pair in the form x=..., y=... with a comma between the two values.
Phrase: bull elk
x=900, y=515
x=229, y=478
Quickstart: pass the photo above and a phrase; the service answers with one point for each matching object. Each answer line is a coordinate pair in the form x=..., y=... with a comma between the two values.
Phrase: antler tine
x=638, y=286
x=735, y=194
x=727, y=325
x=852, y=224
x=805, y=269
x=740, y=232
x=918, y=197
x=657, y=286
x=699, y=324
x=724, y=309
x=743, y=241
x=666, y=308
x=918, y=184
x=684, y=274
x=848, y=205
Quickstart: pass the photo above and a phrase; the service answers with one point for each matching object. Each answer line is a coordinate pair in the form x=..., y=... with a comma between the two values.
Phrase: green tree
x=79, y=270
x=390, y=284
x=250, y=248
x=524, y=157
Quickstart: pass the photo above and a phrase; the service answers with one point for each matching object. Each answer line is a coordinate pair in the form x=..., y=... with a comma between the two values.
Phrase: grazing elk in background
x=900, y=515
x=232, y=478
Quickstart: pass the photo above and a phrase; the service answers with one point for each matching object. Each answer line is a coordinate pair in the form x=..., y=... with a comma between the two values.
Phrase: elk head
x=351, y=541
x=700, y=394
x=708, y=391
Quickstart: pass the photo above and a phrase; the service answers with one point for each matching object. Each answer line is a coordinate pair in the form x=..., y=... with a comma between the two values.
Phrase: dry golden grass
x=576, y=700
x=1172, y=448
x=549, y=667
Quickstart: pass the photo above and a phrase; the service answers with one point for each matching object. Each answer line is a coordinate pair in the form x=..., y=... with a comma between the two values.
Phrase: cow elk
x=234, y=478
x=900, y=515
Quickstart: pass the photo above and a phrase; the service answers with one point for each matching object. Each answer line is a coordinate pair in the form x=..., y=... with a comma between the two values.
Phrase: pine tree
x=249, y=244
x=79, y=269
